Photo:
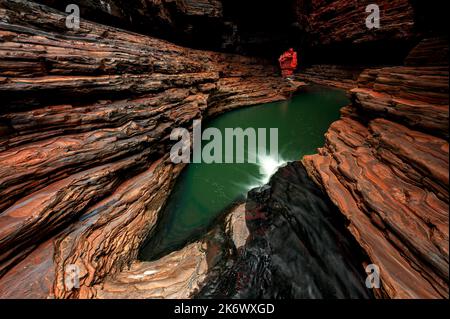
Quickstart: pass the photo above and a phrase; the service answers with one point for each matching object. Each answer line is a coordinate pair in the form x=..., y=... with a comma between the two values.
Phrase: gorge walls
x=385, y=165
x=85, y=122
x=331, y=32
x=86, y=117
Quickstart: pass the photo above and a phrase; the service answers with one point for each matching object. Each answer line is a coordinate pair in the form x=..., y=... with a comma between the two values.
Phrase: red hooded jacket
x=288, y=62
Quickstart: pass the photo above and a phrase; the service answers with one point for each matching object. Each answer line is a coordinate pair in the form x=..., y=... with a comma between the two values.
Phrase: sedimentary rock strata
x=177, y=276
x=85, y=122
x=170, y=19
x=415, y=96
x=343, y=77
x=343, y=21
x=102, y=241
x=430, y=52
x=385, y=165
x=180, y=274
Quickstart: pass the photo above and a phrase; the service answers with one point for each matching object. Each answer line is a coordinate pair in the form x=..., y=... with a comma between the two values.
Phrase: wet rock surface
x=296, y=247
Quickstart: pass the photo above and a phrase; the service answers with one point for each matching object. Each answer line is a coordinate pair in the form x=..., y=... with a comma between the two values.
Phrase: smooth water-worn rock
x=178, y=275
x=296, y=247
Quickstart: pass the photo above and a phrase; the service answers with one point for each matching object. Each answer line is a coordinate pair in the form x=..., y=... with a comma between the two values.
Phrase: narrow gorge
x=88, y=184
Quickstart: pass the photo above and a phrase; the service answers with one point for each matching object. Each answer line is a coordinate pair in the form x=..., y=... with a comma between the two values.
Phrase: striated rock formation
x=343, y=77
x=415, y=96
x=430, y=52
x=85, y=122
x=175, y=276
x=181, y=274
x=258, y=27
x=268, y=27
x=178, y=275
x=385, y=165
x=85, y=125
x=334, y=31
x=344, y=21
x=100, y=242
x=176, y=20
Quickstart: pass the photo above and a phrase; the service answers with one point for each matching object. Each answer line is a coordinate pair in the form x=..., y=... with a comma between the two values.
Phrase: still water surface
x=204, y=191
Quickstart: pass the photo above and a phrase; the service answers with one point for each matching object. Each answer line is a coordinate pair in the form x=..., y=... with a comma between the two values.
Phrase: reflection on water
x=203, y=191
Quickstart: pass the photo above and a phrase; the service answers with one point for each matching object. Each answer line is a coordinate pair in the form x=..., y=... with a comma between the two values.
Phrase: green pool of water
x=204, y=191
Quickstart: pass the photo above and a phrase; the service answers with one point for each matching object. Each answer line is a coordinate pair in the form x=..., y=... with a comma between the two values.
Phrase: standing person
x=288, y=63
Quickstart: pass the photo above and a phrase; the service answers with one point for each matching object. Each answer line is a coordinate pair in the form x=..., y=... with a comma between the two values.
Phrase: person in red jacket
x=288, y=63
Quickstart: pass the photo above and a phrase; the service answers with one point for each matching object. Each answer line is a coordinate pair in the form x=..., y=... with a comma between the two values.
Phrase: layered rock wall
x=86, y=115
x=85, y=122
x=175, y=20
x=385, y=165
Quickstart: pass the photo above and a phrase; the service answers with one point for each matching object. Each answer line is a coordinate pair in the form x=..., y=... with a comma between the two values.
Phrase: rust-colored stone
x=385, y=165
x=85, y=122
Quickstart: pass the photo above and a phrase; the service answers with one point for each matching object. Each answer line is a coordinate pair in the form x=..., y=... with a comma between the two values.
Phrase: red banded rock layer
x=415, y=96
x=385, y=165
x=237, y=92
x=108, y=237
x=175, y=276
x=102, y=242
x=36, y=217
x=180, y=274
x=153, y=17
x=431, y=51
x=43, y=123
x=85, y=117
x=209, y=8
x=338, y=21
x=29, y=167
x=97, y=60
x=343, y=77
x=396, y=217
